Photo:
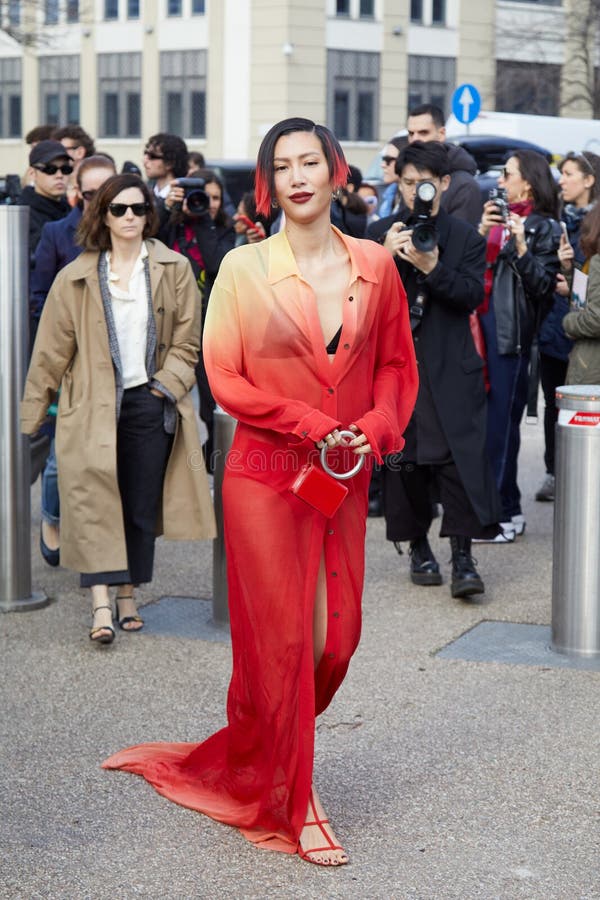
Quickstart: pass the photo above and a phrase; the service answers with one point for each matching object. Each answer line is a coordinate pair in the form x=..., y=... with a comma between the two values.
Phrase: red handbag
x=322, y=488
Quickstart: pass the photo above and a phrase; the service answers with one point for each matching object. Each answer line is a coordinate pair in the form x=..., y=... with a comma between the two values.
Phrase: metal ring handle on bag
x=341, y=476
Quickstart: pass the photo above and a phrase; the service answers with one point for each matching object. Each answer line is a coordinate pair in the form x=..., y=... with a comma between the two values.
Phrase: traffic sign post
x=466, y=103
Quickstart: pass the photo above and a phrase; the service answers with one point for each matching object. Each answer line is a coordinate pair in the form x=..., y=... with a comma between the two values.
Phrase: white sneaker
x=518, y=523
x=505, y=536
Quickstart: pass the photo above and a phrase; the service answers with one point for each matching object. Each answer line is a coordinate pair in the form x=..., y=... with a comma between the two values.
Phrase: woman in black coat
x=195, y=224
x=522, y=244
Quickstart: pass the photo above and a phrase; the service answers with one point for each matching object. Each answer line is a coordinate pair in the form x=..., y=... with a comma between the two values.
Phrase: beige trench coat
x=72, y=351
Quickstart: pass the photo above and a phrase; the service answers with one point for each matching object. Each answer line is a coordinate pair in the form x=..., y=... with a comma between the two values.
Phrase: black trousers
x=553, y=373
x=408, y=493
x=143, y=448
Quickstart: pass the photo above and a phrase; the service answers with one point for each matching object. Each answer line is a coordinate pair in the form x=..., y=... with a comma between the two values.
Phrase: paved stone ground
x=445, y=778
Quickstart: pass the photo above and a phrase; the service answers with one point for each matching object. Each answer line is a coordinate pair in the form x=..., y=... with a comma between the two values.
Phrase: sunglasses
x=152, y=155
x=88, y=195
x=52, y=169
x=580, y=158
x=119, y=209
x=388, y=159
x=505, y=173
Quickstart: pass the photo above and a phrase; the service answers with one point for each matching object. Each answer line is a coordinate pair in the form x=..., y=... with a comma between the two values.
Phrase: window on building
x=133, y=9
x=174, y=7
x=14, y=13
x=542, y=2
x=366, y=10
x=72, y=10
x=59, y=90
x=532, y=88
x=51, y=12
x=183, y=93
x=438, y=12
x=416, y=10
x=111, y=9
x=10, y=98
x=342, y=8
x=120, y=91
x=431, y=79
x=198, y=7
x=353, y=94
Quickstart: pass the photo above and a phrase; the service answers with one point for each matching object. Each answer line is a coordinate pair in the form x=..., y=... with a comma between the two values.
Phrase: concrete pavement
x=445, y=778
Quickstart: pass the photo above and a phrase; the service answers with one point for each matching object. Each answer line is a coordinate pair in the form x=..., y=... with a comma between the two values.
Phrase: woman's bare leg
x=126, y=608
x=102, y=611
x=322, y=836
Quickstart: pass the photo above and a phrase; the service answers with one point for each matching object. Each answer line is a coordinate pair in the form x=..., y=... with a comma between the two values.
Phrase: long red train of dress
x=265, y=355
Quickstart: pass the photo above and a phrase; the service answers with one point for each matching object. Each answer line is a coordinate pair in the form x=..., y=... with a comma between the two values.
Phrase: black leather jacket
x=523, y=286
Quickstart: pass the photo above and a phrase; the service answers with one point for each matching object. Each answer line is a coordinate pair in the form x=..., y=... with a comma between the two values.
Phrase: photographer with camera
x=441, y=261
x=194, y=223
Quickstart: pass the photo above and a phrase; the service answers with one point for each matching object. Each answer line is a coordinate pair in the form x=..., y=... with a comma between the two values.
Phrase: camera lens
x=197, y=202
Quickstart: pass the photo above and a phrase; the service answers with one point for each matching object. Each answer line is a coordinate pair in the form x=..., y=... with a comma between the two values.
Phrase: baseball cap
x=46, y=151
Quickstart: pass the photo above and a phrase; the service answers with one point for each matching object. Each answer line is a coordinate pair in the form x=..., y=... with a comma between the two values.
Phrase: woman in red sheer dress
x=307, y=333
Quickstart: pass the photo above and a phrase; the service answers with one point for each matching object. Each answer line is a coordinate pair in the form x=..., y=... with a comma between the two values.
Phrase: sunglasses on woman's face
x=52, y=169
x=119, y=209
x=152, y=155
x=88, y=195
x=388, y=160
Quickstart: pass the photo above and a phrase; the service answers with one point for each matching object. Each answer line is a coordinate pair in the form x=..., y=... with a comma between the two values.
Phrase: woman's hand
x=157, y=393
x=360, y=443
x=175, y=196
x=491, y=216
x=516, y=225
x=333, y=439
x=562, y=286
x=256, y=234
x=566, y=254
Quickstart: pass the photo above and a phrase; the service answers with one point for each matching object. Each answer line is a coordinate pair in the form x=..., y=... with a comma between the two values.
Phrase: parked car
x=237, y=175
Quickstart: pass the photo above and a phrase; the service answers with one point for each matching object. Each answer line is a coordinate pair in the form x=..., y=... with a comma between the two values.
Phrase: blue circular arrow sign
x=466, y=103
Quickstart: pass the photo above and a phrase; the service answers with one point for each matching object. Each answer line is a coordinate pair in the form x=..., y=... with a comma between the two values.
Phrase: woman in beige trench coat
x=88, y=344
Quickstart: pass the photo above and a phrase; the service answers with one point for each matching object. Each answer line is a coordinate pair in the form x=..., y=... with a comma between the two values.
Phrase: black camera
x=10, y=189
x=498, y=195
x=424, y=230
x=197, y=199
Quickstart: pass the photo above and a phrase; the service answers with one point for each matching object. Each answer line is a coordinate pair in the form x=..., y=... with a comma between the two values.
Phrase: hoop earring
x=274, y=204
x=337, y=194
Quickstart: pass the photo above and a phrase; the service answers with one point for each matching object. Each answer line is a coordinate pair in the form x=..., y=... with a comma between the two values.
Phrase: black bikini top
x=333, y=343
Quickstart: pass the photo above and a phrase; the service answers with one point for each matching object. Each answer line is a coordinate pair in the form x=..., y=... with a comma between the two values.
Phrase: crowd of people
x=393, y=337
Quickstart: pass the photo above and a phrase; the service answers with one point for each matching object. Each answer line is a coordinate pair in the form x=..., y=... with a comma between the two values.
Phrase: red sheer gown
x=265, y=356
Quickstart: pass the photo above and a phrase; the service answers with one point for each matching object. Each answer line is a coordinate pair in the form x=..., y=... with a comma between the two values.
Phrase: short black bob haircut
x=264, y=178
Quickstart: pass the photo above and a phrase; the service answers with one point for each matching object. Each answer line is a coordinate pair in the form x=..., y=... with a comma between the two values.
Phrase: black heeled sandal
x=102, y=638
x=126, y=619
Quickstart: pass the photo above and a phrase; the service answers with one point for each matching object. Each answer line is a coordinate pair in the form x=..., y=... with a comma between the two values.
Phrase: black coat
x=452, y=388
x=213, y=242
x=41, y=210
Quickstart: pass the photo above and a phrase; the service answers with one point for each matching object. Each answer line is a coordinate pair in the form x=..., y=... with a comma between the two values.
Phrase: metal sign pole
x=15, y=503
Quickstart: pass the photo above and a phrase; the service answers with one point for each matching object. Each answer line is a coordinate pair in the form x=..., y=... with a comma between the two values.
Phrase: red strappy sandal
x=306, y=854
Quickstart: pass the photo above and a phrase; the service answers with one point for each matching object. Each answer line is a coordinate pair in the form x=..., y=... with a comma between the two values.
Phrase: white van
x=558, y=134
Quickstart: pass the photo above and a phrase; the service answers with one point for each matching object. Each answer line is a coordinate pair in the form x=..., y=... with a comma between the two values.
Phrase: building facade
x=220, y=72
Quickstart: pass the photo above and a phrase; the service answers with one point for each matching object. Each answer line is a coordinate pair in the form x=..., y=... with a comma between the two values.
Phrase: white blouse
x=130, y=314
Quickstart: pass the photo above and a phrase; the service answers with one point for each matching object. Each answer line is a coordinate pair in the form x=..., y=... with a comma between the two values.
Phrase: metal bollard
x=15, y=502
x=576, y=550
x=223, y=431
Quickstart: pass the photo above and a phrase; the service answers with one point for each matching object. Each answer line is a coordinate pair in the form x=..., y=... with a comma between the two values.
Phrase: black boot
x=465, y=577
x=424, y=568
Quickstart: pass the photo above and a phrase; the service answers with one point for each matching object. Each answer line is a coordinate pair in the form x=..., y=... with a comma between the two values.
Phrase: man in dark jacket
x=51, y=166
x=463, y=198
x=446, y=438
